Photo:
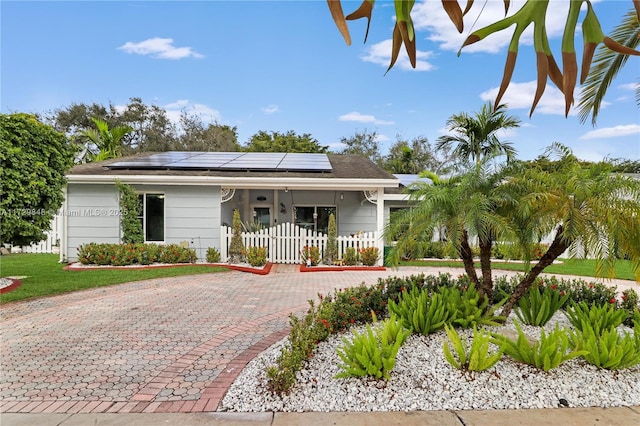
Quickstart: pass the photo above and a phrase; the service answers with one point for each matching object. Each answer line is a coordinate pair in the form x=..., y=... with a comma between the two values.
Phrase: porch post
x=380, y=224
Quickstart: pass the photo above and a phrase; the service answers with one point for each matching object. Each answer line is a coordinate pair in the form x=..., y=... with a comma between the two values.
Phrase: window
x=315, y=218
x=152, y=217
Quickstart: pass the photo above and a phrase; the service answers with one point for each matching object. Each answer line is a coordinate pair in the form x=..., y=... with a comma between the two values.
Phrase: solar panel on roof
x=228, y=161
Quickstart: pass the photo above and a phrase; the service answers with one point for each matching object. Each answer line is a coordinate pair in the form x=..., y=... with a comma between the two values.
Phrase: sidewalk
x=618, y=416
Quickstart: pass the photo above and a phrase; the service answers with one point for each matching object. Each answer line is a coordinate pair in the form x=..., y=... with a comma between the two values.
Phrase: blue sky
x=284, y=66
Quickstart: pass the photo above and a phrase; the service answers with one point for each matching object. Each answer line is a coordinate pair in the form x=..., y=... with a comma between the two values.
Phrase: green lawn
x=580, y=267
x=46, y=277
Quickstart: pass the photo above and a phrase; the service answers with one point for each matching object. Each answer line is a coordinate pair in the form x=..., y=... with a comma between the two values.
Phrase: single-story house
x=189, y=197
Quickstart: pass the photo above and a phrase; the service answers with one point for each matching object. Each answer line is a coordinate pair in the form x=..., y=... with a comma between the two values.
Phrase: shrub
x=310, y=255
x=331, y=250
x=372, y=353
x=545, y=354
x=536, y=308
x=631, y=304
x=607, y=349
x=369, y=255
x=132, y=254
x=257, y=256
x=353, y=305
x=130, y=209
x=236, y=247
x=303, y=337
x=350, y=256
x=473, y=358
x=213, y=255
x=599, y=318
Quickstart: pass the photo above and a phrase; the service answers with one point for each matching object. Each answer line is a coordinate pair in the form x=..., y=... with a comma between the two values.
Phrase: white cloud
x=430, y=16
x=521, y=95
x=206, y=113
x=363, y=118
x=159, y=48
x=270, y=109
x=613, y=132
x=380, y=53
x=629, y=86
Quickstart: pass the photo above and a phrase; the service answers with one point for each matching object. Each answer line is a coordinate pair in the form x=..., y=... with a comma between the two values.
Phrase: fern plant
x=420, y=312
x=537, y=308
x=372, y=353
x=473, y=358
x=598, y=317
x=545, y=354
x=607, y=349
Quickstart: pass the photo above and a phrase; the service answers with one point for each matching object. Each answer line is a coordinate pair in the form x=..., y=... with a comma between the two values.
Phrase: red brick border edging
x=15, y=284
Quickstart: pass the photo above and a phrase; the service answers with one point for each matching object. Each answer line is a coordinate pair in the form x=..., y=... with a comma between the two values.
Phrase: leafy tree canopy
x=363, y=143
x=413, y=157
x=284, y=142
x=34, y=160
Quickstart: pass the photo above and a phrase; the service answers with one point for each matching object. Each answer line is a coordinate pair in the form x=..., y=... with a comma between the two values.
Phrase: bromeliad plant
x=537, y=308
x=607, y=349
x=470, y=358
x=421, y=312
x=547, y=353
x=597, y=317
x=369, y=255
x=257, y=256
x=372, y=353
x=470, y=309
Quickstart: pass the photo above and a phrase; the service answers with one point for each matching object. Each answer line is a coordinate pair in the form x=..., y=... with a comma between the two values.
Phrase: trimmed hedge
x=134, y=254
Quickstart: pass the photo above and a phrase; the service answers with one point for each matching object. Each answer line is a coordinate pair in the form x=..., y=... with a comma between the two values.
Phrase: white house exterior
x=191, y=205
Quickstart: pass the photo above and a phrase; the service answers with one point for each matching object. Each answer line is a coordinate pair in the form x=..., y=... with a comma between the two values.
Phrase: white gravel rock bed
x=423, y=380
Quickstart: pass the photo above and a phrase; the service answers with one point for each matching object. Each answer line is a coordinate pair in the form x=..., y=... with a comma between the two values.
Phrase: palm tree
x=475, y=137
x=467, y=207
x=588, y=207
x=605, y=67
x=107, y=141
x=582, y=207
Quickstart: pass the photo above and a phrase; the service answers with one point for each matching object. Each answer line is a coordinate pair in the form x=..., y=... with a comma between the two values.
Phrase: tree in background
x=363, y=143
x=414, y=157
x=475, y=136
x=104, y=143
x=198, y=136
x=284, y=142
x=34, y=160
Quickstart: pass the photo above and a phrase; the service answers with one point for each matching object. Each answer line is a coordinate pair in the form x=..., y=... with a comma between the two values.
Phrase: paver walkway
x=163, y=345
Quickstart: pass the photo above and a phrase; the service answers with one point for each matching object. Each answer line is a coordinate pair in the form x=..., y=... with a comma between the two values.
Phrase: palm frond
x=606, y=66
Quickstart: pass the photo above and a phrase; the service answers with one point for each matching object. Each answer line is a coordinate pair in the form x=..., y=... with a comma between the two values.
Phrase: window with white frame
x=315, y=218
x=152, y=216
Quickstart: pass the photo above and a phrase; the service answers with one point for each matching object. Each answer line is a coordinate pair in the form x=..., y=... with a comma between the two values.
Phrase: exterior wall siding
x=192, y=214
x=92, y=216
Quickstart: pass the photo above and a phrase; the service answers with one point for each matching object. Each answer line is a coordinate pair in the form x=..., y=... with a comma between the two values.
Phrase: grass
x=579, y=267
x=45, y=276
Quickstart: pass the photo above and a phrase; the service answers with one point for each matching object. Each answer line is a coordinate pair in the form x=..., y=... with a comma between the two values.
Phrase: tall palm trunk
x=557, y=247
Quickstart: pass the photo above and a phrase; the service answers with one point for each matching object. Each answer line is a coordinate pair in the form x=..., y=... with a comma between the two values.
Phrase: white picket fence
x=53, y=237
x=284, y=242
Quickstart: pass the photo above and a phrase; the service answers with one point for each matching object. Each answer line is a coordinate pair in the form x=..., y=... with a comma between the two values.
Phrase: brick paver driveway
x=163, y=345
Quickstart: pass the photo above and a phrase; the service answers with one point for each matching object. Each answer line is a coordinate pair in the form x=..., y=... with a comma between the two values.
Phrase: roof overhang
x=352, y=184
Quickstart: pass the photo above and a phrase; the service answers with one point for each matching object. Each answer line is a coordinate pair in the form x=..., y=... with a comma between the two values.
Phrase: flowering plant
x=369, y=255
x=310, y=255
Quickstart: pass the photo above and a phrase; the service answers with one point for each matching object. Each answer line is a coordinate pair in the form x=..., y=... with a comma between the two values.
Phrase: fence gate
x=284, y=242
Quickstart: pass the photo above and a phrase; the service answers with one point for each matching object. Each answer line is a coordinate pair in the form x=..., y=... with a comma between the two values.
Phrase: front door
x=262, y=216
